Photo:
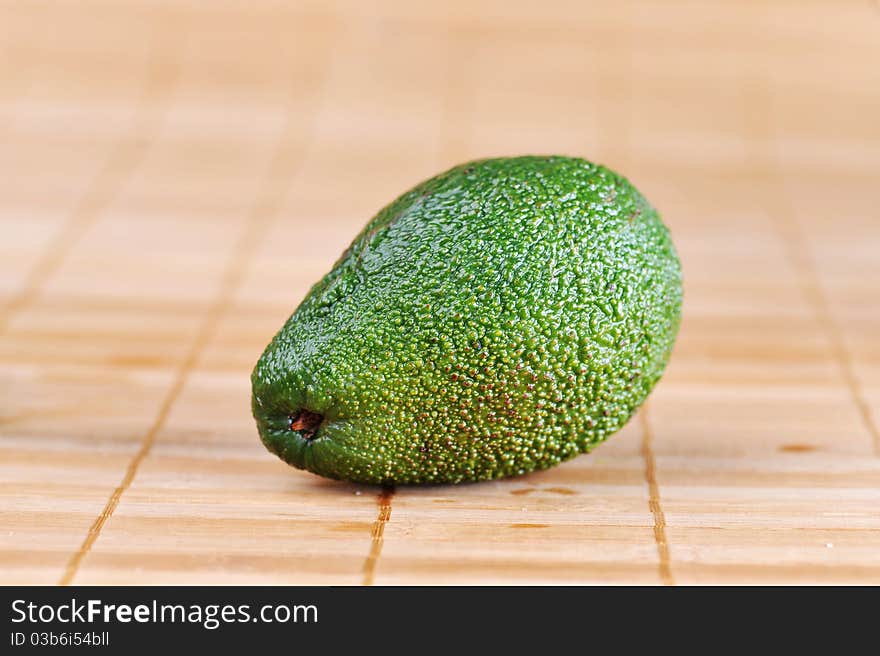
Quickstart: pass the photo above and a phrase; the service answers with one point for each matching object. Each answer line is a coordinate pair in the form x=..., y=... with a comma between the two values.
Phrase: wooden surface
x=174, y=176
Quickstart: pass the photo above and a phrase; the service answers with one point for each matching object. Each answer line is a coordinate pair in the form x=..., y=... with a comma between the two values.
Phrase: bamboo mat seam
x=120, y=164
x=281, y=170
x=784, y=218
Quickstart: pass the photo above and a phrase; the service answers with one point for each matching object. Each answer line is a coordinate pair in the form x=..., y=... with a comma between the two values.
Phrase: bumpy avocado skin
x=499, y=318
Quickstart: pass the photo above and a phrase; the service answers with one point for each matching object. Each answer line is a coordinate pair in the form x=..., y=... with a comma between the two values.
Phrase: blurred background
x=175, y=175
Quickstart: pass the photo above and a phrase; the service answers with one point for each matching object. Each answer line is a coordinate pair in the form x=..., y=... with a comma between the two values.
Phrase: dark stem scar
x=306, y=423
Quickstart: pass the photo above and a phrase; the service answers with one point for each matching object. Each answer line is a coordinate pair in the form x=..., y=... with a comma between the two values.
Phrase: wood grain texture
x=174, y=177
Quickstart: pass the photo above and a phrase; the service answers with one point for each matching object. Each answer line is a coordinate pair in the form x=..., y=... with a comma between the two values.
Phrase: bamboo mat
x=174, y=176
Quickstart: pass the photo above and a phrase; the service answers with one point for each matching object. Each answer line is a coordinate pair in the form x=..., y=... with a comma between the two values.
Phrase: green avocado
x=497, y=319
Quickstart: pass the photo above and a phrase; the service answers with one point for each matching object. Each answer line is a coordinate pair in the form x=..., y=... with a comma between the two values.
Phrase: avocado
x=496, y=319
